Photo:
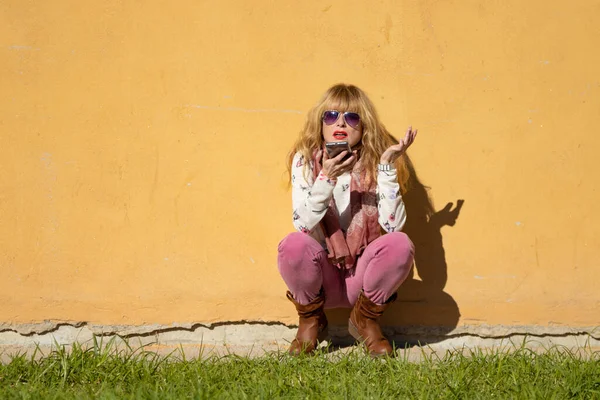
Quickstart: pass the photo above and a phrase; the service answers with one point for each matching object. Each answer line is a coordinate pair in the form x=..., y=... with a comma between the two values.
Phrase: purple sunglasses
x=331, y=116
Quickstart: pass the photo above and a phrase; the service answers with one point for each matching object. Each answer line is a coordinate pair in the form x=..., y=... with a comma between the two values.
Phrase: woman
x=339, y=257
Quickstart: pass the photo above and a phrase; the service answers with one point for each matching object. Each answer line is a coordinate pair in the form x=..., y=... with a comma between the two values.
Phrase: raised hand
x=392, y=153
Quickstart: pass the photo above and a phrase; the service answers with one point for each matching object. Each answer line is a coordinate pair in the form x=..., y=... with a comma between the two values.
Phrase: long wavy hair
x=375, y=137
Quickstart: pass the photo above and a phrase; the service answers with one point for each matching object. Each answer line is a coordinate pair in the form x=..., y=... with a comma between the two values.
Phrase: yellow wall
x=143, y=144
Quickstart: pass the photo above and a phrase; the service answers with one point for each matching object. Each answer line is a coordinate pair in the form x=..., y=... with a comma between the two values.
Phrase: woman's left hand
x=392, y=153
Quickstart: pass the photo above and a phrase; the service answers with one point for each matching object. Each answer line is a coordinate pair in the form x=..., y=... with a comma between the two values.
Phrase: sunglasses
x=330, y=117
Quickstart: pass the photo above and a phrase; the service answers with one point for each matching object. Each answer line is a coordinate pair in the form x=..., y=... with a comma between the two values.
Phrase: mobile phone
x=335, y=148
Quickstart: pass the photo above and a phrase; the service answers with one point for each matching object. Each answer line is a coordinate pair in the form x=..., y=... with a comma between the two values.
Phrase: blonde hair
x=375, y=137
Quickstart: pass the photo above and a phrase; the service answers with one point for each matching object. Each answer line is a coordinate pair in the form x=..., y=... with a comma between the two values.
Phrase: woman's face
x=341, y=130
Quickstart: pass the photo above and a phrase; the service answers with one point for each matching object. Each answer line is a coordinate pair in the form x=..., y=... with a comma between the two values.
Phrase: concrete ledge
x=255, y=338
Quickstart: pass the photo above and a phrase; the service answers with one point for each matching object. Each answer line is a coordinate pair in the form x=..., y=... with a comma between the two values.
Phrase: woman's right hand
x=334, y=167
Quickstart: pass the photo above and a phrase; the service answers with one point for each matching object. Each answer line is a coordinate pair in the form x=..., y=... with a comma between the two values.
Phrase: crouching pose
x=347, y=174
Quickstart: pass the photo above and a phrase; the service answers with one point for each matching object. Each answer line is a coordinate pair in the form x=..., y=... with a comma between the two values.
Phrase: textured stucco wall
x=142, y=154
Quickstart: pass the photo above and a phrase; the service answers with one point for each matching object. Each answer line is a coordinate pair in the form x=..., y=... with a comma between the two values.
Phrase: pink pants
x=380, y=270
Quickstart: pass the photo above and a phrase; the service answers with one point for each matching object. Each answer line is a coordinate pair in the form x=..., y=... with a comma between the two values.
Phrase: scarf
x=344, y=249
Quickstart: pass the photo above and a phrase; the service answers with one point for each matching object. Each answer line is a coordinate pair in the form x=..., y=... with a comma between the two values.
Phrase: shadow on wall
x=424, y=312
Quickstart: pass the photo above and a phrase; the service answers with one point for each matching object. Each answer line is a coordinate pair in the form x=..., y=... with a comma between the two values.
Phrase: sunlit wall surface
x=142, y=173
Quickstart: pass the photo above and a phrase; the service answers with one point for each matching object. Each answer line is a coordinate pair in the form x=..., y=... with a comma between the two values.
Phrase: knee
x=295, y=248
x=294, y=243
x=398, y=246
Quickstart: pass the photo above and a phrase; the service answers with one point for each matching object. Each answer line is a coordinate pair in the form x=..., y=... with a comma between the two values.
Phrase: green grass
x=106, y=372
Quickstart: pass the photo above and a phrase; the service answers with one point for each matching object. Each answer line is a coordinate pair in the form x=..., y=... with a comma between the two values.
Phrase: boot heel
x=353, y=330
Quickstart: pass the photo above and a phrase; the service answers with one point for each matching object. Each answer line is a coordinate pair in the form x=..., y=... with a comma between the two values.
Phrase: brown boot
x=364, y=325
x=312, y=326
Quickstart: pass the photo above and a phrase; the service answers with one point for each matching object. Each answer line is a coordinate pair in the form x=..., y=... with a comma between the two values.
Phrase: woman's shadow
x=424, y=312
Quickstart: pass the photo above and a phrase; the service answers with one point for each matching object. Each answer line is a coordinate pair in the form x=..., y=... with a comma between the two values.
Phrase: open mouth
x=339, y=135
